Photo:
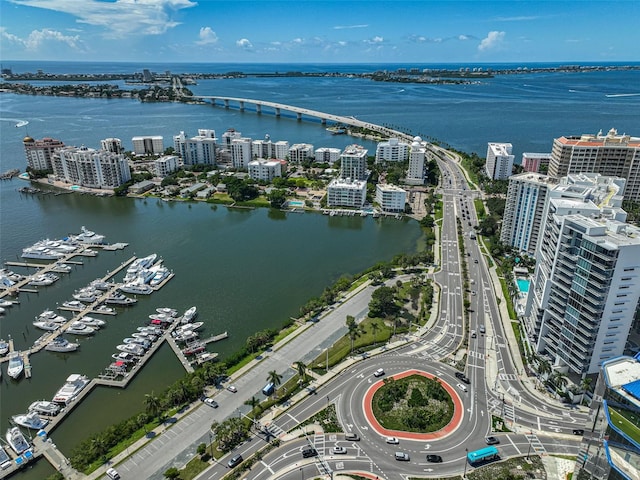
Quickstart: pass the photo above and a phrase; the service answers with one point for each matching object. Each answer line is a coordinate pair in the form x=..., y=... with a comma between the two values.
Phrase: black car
x=235, y=461
x=434, y=458
x=352, y=436
x=491, y=440
x=309, y=452
x=578, y=431
x=463, y=377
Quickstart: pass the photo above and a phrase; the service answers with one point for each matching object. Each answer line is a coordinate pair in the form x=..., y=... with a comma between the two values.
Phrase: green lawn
x=622, y=422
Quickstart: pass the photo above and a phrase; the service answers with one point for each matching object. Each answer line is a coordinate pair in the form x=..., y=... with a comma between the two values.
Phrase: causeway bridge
x=298, y=112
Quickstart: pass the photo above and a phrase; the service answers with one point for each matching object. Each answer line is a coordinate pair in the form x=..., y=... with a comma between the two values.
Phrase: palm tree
x=275, y=378
x=374, y=328
x=152, y=404
x=585, y=384
x=544, y=368
x=302, y=371
x=560, y=381
x=353, y=330
x=253, y=402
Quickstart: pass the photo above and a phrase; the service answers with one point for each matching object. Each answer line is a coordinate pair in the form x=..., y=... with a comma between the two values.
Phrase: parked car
x=434, y=458
x=578, y=431
x=482, y=329
x=392, y=440
x=492, y=440
x=352, y=437
x=232, y=388
x=378, y=373
x=338, y=450
x=234, y=461
x=113, y=474
x=211, y=402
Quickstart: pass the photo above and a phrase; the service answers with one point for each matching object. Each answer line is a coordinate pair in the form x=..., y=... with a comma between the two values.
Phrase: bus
x=268, y=389
x=483, y=455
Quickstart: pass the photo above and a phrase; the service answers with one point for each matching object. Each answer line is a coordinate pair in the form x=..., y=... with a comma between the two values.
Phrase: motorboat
x=162, y=317
x=118, y=367
x=120, y=299
x=71, y=388
x=16, y=440
x=74, y=305
x=16, y=365
x=189, y=315
x=159, y=275
x=51, y=316
x=194, y=348
x=167, y=311
x=143, y=342
x=190, y=326
x=152, y=337
x=185, y=336
x=206, y=357
x=150, y=329
x=79, y=328
x=5, y=303
x=62, y=345
x=30, y=420
x=48, y=326
x=62, y=268
x=136, y=288
x=124, y=357
x=87, y=236
x=44, y=279
x=4, y=347
x=104, y=309
x=41, y=253
x=86, y=295
x=11, y=275
x=132, y=348
x=101, y=285
x=137, y=265
x=44, y=407
x=92, y=321
x=6, y=282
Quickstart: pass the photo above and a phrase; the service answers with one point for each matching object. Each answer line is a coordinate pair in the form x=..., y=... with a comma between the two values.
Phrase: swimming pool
x=295, y=203
x=523, y=285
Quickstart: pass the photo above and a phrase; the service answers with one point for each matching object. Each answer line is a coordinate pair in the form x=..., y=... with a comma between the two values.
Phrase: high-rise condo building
x=113, y=145
x=327, y=155
x=353, y=163
x=90, y=168
x=165, y=165
x=241, y=152
x=610, y=154
x=393, y=150
x=265, y=170
x=201, y=149
x=300, y=152
x=585, y=289
x=346, y=193
x=40, y=152
x=417, y=159
x=499, y=164
x=522, y=218
x=390, y=198
x=151, y=145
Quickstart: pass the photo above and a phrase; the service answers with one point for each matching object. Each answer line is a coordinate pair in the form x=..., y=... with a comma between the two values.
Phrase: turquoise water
x=295, y=203
x=523, y=285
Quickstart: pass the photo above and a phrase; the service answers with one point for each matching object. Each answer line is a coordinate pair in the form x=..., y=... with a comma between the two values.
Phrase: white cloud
x=42, y=38
x=207, y=36
x=520, y=18
x=120, y=17
x=344, y=27
x=244, y=43
x=493, y=40
x=375, y=40
x=463, y=37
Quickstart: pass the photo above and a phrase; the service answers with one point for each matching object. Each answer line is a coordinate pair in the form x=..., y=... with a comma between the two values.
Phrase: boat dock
x=215, y=338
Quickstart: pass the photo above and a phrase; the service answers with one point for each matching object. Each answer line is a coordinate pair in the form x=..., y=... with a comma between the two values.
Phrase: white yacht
x=99, y=284
x=51, y=316
x=16, y=440
x=163, y=317
x=62, y=345
x=189, y=315
x=86, y=295
x=167, y=311
x=160, y=273
x=5, y=303
x=124, y=357
x=143, y=342
x=62, y=268
x=150, y=329
x=152, y=337
x=4, y=347
x=47, y=326
x=120, y=299
x=92, y=321
x=71, y=388
x=87, y=236
x=138, y=265
x=79, y=328
x=16, y=365
x=136, y=288
x=30, y=420
x=74, y=305
x=131, y=348
x=44, y=279
x=190, y=326
x=104, y=309
x=44, y=407
x=41, y=253
x=185, y=335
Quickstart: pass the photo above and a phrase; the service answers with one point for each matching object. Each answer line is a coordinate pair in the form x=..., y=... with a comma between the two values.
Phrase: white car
x=338, y=450
x=211, y=402
x=461, y=387
x=113, y=474
x=392, y=440
x=232, y=388
x=378, y=373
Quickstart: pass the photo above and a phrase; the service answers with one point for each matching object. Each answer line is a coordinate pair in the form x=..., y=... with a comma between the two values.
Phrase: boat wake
x=613, y=95
x=22, y=123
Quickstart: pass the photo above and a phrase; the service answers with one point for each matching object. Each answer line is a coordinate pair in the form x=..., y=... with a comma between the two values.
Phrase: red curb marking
x=456, y=420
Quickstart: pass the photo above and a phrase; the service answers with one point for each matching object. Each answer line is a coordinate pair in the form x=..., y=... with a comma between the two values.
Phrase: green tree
x=383, y=302
x=172, y=473
x=276, y=198
x=302, y=371
x=230, y=433
x=354, y=331
x=152, y=404
x=275, y=378
x=374, y=329
x=253, y=402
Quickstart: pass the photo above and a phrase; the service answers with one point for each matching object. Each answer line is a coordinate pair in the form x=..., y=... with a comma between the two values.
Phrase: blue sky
x=309, y=31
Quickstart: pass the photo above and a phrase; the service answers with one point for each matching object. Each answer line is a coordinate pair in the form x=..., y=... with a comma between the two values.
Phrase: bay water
x=248, y=270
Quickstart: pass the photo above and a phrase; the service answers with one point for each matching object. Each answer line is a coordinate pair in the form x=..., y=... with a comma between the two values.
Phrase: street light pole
x=529, y=449
x=211, y=444
x=464, y=475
